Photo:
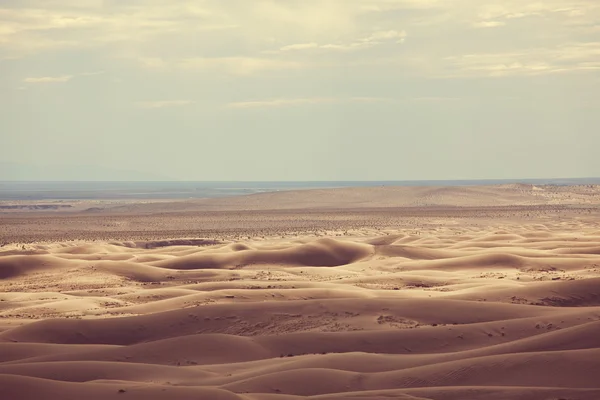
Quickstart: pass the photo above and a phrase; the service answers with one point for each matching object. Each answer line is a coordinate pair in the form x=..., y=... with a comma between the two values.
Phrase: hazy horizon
x=146, y=190
x=15, y=173
x=330, y=90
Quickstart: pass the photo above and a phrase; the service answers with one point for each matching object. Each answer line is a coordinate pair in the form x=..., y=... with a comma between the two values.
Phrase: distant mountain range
x=31, y=172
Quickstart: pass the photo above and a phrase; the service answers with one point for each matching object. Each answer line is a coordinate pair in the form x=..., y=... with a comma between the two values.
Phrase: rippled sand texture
x=485, y=311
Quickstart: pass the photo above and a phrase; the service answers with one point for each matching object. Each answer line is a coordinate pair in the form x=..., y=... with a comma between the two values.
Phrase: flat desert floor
x=462, y=293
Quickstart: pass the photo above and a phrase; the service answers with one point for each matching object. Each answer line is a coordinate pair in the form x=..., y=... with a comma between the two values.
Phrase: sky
x=301, y=89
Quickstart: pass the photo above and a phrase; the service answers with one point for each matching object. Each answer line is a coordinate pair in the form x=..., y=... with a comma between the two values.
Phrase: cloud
x=231, y=65
x=516, y=9
x=381, y=36
x=299, y=46
x=560, y=59
x=60, y=79
x=565, y=11
x=33, y=28
x=371, y=40
x=49, y=79
x=488, y=24
x=162, y=104
x=250, y=39
x=273, y=103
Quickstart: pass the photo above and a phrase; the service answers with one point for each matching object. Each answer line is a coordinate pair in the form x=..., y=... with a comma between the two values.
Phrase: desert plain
x=439, y=293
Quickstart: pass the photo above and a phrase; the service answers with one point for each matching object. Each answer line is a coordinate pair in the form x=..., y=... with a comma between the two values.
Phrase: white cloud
x=26, y=30
x=241, y=66
x=237, y=65
x=299, y=46
x=565, y=11
x=514, y=9
x=381, y=36
x=162, y=104
x=373, y=39
x=60, y=79
x=49, y=79
x=565, y=58
x=489, y=24
x=252, y=38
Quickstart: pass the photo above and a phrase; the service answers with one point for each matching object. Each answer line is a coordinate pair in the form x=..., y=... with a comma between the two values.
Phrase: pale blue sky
x=303, y=89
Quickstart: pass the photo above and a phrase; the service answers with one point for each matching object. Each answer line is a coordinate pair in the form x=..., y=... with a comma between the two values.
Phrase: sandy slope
x=386, y=197
x=482, y=306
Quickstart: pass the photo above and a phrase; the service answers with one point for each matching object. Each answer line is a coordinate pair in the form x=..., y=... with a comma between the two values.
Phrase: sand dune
x=440, y=303
x=324, y=252
x=389, y=196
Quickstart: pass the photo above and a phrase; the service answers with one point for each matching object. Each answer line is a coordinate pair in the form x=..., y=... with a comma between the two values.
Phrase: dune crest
x=431, y=303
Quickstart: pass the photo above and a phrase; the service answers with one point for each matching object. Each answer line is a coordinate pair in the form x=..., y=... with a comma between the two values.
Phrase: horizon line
x=294, y=181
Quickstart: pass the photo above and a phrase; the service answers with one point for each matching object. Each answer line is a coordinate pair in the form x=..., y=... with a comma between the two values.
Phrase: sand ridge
x=455, y=303
x=392, y=315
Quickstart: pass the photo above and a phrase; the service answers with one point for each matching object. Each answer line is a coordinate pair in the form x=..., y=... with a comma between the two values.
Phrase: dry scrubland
x=386, y=293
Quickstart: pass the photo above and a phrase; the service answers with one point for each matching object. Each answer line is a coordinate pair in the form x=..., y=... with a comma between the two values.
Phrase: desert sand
x=380, y=293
